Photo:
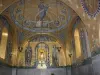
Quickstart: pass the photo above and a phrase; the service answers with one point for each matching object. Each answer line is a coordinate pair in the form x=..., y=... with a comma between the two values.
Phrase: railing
x=26, y=67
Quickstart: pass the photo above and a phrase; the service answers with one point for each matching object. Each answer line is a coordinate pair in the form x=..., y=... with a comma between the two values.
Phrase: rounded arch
x=80, y=28
x=57, y=39
x=43, y=48
x=3, y=44
x=51, y=35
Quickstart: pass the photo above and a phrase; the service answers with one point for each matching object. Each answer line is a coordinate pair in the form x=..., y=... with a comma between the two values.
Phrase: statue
x=28, y=55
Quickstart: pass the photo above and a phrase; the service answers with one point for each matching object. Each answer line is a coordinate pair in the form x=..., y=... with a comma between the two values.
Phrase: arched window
x=3, y=44
x=77, y=43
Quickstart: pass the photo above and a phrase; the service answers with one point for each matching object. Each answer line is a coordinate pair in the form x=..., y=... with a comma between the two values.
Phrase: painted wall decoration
x=42, y=38
x=91, y=7
x=83, y=43
x=20, y=37
x=29, y=15
x=28, y=55
x=95, y=48
x=9, y=51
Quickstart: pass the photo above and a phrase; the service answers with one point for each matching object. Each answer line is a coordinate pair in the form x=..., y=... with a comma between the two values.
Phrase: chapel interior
x=49, y=37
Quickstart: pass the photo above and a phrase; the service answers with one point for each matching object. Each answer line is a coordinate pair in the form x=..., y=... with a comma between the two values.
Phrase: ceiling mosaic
x=38, y=15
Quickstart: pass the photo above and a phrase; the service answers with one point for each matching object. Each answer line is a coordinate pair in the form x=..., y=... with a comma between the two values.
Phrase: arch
x=42, y=55
x=36, y=51
x=77, y=43
x=56, y=39
x=3, y=44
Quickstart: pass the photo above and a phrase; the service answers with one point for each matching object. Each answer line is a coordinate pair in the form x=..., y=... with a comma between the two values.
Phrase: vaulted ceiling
x=74, y=4
x=64, y=11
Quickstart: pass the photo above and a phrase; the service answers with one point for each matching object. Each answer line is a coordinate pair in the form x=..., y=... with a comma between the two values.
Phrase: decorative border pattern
x=89, y=13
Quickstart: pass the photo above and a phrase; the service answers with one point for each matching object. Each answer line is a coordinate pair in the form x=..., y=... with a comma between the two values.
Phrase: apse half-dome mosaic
x=38, y=15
